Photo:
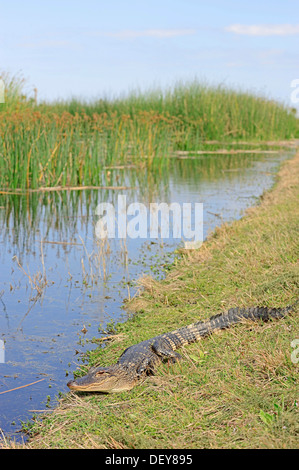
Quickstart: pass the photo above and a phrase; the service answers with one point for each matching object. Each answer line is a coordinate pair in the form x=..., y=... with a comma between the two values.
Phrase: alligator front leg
x=163, y=350
x=144, y=367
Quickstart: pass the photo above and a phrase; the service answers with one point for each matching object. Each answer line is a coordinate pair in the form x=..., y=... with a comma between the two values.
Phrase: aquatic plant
x=69, y=143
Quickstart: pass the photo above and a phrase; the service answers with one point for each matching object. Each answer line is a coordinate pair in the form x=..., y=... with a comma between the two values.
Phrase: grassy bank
x=70, y=143
x=234, y=390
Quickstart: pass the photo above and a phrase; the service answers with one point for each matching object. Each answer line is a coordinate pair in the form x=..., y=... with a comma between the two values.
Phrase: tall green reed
x=70, y=143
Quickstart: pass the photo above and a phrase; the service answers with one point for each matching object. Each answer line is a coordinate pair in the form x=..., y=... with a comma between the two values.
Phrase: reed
x=69, y=143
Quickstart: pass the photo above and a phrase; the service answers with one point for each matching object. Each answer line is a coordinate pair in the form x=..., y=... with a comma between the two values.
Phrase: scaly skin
x=140, y=360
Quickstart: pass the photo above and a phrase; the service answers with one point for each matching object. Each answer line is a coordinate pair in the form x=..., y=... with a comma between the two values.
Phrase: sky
x=92, y=49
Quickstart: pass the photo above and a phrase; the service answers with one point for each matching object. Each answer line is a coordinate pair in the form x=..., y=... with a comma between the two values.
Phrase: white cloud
x=154, y=33
x=46, y=44
x=264, y=29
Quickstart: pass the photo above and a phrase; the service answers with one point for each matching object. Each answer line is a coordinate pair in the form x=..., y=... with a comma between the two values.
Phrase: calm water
x=87, y=280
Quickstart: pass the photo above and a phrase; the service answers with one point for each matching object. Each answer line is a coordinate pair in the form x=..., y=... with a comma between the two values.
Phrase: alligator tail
x=199, y=330
x=236, y=315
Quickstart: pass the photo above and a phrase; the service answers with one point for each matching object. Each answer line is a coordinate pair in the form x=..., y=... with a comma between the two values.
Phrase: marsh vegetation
x=67, y=144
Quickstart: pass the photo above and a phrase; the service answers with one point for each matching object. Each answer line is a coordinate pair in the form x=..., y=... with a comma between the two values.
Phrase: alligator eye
x=100, y=372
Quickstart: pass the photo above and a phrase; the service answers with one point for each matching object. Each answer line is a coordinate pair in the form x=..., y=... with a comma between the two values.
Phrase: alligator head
x=104, y=379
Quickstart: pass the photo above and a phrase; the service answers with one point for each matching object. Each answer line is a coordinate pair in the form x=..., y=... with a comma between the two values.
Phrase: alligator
x=139, y=361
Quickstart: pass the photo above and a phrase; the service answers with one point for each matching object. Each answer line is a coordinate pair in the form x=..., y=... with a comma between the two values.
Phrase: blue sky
x=96, y=48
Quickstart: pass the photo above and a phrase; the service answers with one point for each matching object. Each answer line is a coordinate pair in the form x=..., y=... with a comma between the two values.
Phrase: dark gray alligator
x=140, y=360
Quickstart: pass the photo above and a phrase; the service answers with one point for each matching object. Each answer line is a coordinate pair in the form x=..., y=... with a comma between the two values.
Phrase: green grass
x=201, y=112
x=69, y=143
x=234, y=390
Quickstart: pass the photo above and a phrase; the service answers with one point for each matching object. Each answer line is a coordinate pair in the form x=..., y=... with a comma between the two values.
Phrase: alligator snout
x=72, y=384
